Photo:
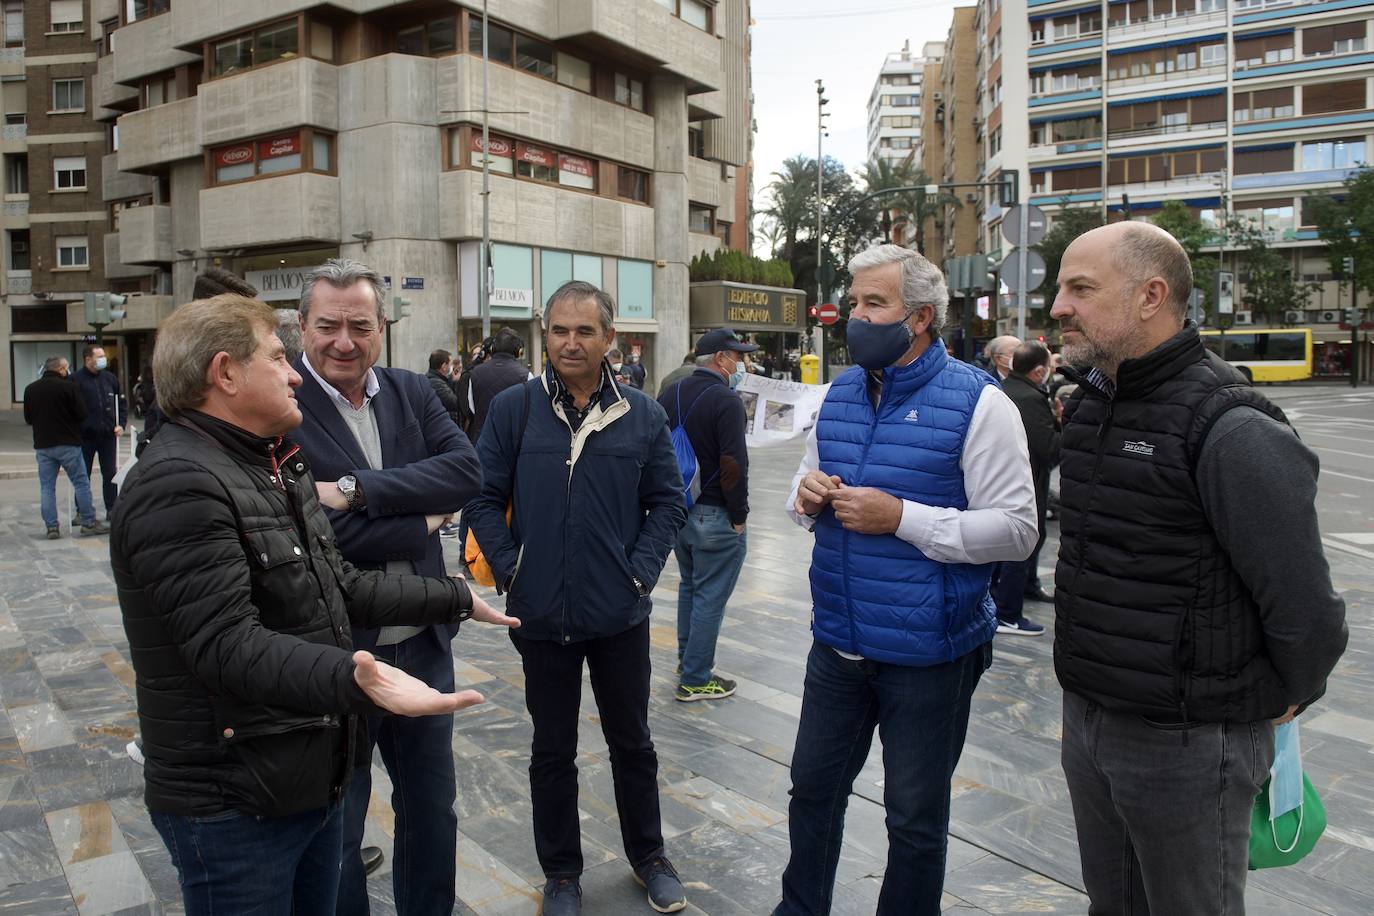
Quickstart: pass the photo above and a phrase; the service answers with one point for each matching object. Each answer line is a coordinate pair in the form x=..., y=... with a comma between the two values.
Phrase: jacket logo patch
x=912, y=416
x=1138, y=448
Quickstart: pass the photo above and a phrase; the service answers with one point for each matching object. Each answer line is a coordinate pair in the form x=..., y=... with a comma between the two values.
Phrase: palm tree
x=791, y=201
x=914, y=206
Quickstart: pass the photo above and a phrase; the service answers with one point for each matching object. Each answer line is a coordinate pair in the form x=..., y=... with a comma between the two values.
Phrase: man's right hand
x=814, y=492
x=435, y=522
x=397, y=692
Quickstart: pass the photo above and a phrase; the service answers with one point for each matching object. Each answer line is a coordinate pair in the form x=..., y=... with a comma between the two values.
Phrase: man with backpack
x=707, y=421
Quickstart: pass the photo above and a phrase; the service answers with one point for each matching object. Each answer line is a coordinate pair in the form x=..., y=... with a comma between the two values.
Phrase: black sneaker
x=717, y=688
x=562, y=897
x=664, y=889
x=54, y=533
x=1022, y=627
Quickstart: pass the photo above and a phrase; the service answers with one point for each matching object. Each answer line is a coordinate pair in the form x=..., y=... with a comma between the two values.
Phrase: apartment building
x=52, y=216
x=267, y=137
x=961, y=121
x=1244, y=107
x=894, y=107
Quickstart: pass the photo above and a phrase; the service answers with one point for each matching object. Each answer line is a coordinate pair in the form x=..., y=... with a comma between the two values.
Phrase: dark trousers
x=418, y=756
x=922, y=717
x=1163, y=823
x=107, y=447
x=619, y=667
x=263, y=866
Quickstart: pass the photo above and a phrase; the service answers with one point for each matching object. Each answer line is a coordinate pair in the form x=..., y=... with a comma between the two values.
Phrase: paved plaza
x=74, y=836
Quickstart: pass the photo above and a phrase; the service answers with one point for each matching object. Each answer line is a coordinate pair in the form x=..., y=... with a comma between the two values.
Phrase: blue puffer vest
x=877, y=595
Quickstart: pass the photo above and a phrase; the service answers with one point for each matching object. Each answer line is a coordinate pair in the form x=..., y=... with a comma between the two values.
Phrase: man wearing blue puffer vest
x=916, y=481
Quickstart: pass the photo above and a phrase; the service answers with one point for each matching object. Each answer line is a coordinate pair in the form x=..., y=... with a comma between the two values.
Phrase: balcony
x=1185, y=185
x=1300, y=178
x=111, y=96
x=1254, y=10
x=151, y=139
x=117, y=185
x=15, y=132
x=1048, y=46
x=302, y=207
x=12, y=55
x=1079, y=91
x=16, y=210
x=703, y=182
x=146, y=47
x=528, y=213
x=644, y=29
x=145, y=235
x=1165, y=27
x=292, y=94
x=1199, y=130
x=114, y=269
x=1176, y=79
x=19, y=282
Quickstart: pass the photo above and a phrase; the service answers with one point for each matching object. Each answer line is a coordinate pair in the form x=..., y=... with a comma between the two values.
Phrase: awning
x=1167, y=98
x=1176, y=43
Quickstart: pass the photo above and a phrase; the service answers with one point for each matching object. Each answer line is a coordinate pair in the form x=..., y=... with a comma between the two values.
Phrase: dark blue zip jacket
x=105, y=407
x=593, y=511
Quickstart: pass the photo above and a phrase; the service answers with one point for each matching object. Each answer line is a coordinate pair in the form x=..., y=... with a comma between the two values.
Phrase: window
x=66, y=15
x=694, y=12
x=69, y=95
x=19, y=249
x=1213, y=55
x=699, y=218
x=1264, y=159
x=14, y=23
x=723, y=231
x=900, y=143
x=159, y=89
x=1348, y=95
x=430, y=39
x=576, y=172
x=277, y=154
x=995, y=142
x=534, y=56
x=629, y=91
x=536, y=162
x=135, y=10
x=1344, y=153
x=1326, y=40
x=575, y=72
x=72, y=252
x=1263, y=104
x=279, y=41
x=118, y=207
x=69, y=173
x=696, y=141
x=501, y=152
x=1269, y=49
x=16, y=173
x=632, y=184
x=502, y=41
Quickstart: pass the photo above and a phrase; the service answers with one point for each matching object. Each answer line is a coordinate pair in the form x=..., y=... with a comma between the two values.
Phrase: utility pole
x=1354, y=316
x=821, y=102
x=484, y=252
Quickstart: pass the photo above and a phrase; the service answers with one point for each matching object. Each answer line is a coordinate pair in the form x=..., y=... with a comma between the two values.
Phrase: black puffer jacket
x=237, y=607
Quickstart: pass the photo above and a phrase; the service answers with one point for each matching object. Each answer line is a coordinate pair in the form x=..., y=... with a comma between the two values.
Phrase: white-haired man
x=916, y=481
x=998, y=352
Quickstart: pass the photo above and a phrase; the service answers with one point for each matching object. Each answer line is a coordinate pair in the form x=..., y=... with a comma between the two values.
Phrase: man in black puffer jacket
x=1179, y=640
x=237, y=607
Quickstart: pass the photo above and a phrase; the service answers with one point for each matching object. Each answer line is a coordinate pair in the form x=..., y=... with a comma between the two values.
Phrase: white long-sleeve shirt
x=999, y=523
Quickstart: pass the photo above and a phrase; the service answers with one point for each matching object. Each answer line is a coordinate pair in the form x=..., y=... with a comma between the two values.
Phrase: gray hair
x=922, y=282
x=1147, y=252
x=705, y=359
x=343, y=273
x=54, y=363
x=289, y=330
x=576, y=291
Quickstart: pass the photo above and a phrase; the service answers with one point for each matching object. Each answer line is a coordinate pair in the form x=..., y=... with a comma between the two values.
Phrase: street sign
x=1010, y=271
x=1035, y=225
x=828, y=313
x=1225, y=299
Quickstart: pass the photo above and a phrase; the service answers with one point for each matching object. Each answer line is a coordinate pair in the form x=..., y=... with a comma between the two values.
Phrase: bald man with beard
x=1179, y=641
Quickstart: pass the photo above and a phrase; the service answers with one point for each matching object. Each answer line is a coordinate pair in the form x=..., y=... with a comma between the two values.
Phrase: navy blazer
x=430, y=467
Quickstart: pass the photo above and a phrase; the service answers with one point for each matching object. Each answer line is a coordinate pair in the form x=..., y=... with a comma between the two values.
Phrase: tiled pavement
x=74, y=836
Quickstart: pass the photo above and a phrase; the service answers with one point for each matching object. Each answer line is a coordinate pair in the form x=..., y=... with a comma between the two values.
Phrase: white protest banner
x=778, y=410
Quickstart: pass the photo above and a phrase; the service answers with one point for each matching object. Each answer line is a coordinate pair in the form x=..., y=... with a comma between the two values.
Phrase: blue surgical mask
x=738, y=375
x=101, y=362
x=877, y=346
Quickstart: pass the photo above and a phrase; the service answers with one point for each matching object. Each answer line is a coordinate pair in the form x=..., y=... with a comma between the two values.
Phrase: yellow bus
x=1265, y=354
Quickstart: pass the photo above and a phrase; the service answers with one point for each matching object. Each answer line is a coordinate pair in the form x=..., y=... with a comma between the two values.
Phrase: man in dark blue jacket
x=106, y=414
x=392, y=466
x=710, y=547
x=597, y=504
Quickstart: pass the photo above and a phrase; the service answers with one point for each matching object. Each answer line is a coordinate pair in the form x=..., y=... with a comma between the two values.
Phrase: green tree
x=1188, y=229
x=1069, y=223
x=913, y=206
x=1346, y=223
x=1271, y=286
x=790, y=204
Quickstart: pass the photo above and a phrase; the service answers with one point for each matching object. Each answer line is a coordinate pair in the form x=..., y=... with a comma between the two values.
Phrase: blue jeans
x=107, y=447
x=1162, y=809
x=255, y=866
x=709, y=557
x=922, y=716
x=66, y=458
x=418, y=756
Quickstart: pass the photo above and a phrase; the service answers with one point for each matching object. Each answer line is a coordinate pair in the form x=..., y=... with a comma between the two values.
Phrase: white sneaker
x=135, y=751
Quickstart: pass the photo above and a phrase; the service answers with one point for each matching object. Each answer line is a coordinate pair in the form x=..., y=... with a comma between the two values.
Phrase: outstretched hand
x=487, y=614
x=397, y=692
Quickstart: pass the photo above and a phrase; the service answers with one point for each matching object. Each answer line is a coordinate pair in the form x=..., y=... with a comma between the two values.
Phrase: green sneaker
x=717, y=688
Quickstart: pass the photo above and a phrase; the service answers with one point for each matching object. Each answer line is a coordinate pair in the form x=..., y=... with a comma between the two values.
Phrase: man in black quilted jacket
x=238, y=609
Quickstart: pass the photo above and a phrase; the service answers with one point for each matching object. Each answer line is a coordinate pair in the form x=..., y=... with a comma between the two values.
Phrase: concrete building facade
x=1235, y=107
x=894, y=107
x=268, y=136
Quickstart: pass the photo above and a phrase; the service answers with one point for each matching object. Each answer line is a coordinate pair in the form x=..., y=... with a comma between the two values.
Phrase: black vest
x=1151, y=618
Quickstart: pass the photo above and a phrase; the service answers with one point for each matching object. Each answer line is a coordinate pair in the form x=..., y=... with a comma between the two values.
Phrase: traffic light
x=400, y=308
x=1348, y=267
x=103, y=308
x=1352, y=317
x=813, y=314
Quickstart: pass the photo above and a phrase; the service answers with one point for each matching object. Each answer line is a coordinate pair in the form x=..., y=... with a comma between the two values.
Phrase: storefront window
x=512, y=295
x=635, y=281
x=535, y=162
x=272, y=155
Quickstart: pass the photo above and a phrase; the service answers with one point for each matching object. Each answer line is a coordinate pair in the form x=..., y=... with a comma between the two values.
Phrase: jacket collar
x=606, y=395
x=242, y=446
x=1142, y=375
x=903, y=380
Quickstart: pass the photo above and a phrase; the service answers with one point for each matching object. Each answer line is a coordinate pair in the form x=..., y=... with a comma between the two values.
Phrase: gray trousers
x=1163, y=826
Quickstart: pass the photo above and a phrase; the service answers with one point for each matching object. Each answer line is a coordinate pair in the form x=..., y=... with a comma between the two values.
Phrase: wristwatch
x=348, y=486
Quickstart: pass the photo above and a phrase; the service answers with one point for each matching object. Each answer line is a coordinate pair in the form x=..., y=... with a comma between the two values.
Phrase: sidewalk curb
x=18, y=474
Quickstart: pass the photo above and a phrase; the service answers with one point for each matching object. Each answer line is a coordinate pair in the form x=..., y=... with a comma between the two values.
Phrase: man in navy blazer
x=392, y=468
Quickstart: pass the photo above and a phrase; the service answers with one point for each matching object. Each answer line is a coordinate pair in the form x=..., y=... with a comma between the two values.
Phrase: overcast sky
x=841, y=43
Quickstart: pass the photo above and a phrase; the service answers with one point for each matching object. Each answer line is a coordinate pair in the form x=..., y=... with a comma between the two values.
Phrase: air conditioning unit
x=1292, y=316
x=938, y=96
x=1242, y=316
x=1329, y=316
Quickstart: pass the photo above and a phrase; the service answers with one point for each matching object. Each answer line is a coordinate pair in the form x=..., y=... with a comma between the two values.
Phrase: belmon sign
x=745, y=307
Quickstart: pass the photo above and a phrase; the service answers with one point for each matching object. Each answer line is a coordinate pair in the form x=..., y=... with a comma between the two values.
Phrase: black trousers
x=619, y=668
